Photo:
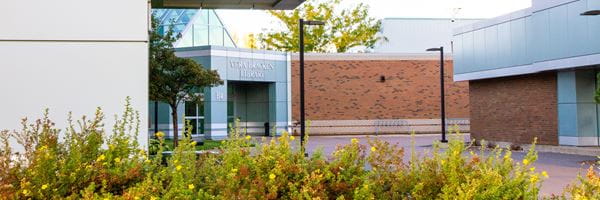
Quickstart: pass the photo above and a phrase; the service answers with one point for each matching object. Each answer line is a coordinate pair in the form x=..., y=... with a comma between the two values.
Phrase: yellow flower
x=43, y=147
x=545, y=174
x=44, y=186
x=25, y=192
x=178, y=167
x=147, y=161
x=292, y=138
x=272, y=176
x=234, y=170
x=153, y=198
x=101, y=158
x=532, y=169
x=354, y=141
x=373, y=149
x=175, y=161
x=191, y=186
x=533, y=179
x=248, y=137
x=160, y=134
x=118, y=160
x=525, y=162
x=193, y=143
x=106, y=198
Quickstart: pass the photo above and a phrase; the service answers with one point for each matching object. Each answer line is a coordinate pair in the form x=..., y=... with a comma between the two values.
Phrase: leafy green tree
x=343, y=29
x=174, y=79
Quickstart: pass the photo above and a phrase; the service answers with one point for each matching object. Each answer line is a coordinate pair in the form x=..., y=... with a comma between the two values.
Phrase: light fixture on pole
x=302, y=109
x=590, y=13
x=442, y=95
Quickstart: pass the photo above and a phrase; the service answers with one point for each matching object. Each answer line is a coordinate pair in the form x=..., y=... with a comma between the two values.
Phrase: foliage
x=89, y=164
x=174, y=79
x=586, y=188
x=343, y=29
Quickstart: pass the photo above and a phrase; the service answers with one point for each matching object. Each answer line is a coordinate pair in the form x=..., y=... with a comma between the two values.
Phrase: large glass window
x=194, y=113
x=200, y=35
x=216, y=35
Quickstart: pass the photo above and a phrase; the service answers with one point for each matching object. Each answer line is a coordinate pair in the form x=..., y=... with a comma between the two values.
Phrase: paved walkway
x=562, y=168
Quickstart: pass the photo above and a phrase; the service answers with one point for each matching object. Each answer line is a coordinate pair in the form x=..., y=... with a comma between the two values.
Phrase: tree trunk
x=175, y=126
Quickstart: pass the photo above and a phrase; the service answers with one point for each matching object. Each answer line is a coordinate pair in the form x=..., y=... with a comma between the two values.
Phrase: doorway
x=249, y=103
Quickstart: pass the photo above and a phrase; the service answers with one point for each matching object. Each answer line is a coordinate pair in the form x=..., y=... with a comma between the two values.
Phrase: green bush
x=90, y=164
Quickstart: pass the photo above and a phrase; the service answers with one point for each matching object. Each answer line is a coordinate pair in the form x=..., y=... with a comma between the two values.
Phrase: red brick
x=515, y=109
x=351, y=89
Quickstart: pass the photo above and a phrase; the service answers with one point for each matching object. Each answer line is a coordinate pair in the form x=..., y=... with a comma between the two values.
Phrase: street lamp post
x=591, y=13
x=442, y=95
x=302, y=109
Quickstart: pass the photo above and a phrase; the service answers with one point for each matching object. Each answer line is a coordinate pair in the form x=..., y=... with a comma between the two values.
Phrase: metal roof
x=229, y=4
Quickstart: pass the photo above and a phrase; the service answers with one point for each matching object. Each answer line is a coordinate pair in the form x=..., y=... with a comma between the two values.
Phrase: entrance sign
x=251, y=70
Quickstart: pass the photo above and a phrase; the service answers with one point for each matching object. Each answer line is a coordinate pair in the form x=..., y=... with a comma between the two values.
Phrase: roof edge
x=371, y=56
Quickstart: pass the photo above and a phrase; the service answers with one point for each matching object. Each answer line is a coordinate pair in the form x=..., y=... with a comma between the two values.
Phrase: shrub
x=89, y=164
x=586, y=187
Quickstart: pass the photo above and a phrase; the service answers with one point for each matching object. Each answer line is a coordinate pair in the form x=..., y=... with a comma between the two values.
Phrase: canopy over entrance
x=229, y=4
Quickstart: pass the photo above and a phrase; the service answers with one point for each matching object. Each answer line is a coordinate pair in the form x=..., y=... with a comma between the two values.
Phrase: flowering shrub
x=90, y=164
x=586, y=188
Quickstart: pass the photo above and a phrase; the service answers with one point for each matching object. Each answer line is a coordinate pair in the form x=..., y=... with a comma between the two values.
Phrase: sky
x=243, y=22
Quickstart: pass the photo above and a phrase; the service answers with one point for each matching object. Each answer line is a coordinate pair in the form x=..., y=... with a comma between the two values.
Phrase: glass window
x=190, y=109
x=194, y=124
x=186, y=40
x=212, y=18
x=200, y=35
x=216, y=35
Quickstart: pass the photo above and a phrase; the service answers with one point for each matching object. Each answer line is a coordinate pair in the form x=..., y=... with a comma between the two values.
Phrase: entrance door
x=250, y=104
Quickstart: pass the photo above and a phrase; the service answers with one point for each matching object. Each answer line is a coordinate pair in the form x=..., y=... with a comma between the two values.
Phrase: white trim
x=557, y=64
x=231, y=54
x=508, y=71
x=586, y=60
x=211, y=126
x=372, y=56
x=577, y=141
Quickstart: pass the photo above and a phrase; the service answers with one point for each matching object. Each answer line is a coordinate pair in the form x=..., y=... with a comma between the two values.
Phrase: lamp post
x=590, y=13
x=442, y=95
x=302, y=109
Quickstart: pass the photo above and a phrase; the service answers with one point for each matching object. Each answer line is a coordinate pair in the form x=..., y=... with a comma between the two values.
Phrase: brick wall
x=515, y=109
x=352, y=90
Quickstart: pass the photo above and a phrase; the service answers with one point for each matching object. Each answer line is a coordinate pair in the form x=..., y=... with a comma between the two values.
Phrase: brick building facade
x=515, y=109
x=358, y=92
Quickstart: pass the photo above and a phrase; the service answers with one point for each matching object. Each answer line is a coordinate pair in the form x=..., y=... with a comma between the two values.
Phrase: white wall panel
x=73, y=20
x=74, y=77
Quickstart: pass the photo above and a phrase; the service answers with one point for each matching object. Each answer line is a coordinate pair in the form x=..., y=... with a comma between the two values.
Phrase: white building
x=414, y=35
x=74, y=55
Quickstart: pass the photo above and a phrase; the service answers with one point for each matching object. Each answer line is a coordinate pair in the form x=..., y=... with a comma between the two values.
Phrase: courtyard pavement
x=562, y=168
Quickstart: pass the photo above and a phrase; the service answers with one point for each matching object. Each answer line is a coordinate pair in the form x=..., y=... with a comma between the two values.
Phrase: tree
x=342, y=30
x=174, y=79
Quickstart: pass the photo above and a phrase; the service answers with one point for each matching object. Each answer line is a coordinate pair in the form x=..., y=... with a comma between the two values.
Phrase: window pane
x=186, y=40
x=216, y=35
x=200, y=35
x=201, y=126
x=190, y=109
x=194, y=124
